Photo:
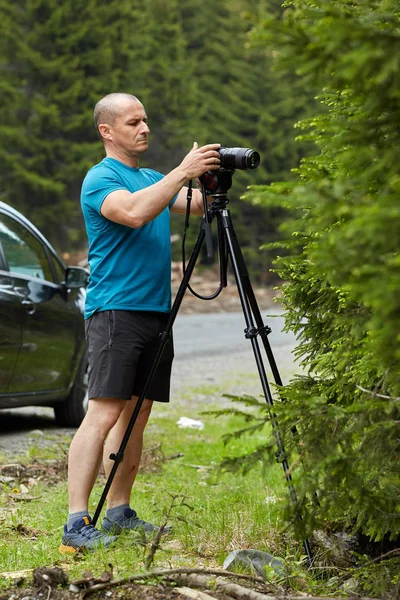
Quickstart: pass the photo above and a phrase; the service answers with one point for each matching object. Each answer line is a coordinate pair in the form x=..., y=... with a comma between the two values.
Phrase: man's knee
x=143, y=414
x=146, y=406
x=145, y=409
x=105, y=412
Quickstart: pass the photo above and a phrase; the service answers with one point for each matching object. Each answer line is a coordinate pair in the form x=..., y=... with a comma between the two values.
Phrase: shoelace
x=89, y=532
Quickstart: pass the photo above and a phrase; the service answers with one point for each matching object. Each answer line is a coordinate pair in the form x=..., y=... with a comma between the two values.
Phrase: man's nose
x=145, y=128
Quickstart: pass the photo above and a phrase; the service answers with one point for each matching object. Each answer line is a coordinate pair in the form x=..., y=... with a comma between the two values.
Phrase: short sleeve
x=98, y=184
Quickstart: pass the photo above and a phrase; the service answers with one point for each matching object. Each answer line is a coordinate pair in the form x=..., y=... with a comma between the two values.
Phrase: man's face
x=129, y=132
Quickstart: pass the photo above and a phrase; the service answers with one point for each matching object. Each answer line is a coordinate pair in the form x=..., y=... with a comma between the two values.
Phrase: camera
x=217, y=182
x=239, y=158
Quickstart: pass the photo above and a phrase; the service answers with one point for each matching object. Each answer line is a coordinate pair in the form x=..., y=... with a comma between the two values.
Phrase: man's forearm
x=148, y=203
x=198, y=204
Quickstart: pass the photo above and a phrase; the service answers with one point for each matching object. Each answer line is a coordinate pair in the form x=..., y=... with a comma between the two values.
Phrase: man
x=126, y=211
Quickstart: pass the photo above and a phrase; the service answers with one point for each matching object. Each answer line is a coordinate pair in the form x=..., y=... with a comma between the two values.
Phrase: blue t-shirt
x=130, y=269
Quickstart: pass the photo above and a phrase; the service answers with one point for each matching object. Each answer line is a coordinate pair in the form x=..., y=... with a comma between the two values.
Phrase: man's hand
x=200, y=160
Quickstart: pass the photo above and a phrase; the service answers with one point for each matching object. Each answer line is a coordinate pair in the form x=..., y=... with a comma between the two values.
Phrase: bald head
x=121, y=122
x=110, y=107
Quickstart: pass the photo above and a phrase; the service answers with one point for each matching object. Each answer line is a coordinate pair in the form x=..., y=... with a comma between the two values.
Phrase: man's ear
x=104, y=131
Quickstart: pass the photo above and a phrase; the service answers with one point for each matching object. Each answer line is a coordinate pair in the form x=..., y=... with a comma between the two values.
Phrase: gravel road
x=211, y=352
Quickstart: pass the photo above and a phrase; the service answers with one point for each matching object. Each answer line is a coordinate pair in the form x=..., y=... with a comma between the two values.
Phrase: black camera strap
x=204, y=226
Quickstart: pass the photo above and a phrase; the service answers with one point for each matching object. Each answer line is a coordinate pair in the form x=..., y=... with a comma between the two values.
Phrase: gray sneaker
x=84, y=536
x=129, y=521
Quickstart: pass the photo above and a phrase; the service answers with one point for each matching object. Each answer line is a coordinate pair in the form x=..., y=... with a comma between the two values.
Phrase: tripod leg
x=250, y=309
x=223, y=262
x=264, y=331
x=164, y=335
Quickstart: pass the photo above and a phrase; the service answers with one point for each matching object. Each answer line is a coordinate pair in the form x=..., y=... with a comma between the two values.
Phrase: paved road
x=210, y=350
x=213, y=347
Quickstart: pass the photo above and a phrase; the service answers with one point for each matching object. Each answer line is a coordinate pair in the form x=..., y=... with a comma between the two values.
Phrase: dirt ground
x=52, y=583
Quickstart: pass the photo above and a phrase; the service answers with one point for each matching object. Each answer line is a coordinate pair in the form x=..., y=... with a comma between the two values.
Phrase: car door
x=49, y=322
x=11, y=318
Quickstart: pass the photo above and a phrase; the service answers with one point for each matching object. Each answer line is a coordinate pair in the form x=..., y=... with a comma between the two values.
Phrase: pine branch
x=240, y=432
x=376, y=395
x=379, y=558
x=233, y=412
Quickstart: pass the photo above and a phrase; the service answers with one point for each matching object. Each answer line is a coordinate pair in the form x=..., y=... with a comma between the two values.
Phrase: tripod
x=228, y=247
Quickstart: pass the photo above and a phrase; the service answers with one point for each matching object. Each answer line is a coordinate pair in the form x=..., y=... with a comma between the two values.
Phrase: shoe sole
x=63, y=549
x=66, y=549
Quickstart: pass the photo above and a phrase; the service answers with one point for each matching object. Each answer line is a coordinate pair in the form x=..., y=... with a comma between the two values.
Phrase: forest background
x=192, y=67
x=245, y=73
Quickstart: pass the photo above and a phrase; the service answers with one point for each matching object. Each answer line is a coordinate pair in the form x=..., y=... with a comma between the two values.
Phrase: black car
x=43, y=355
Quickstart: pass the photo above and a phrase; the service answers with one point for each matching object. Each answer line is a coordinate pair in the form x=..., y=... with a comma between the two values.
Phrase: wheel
x=70, y=413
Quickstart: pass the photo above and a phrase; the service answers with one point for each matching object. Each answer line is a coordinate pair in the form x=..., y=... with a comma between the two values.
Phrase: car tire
x=71, y=412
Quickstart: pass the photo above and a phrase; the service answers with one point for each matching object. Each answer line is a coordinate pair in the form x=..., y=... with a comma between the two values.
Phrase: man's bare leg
x=125, y=475
x=86, y=449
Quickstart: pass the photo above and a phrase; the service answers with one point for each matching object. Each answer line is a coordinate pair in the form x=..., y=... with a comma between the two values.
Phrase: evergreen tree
x=341, y=290
x=58, y=60
x=161, y=76
x=191, y=66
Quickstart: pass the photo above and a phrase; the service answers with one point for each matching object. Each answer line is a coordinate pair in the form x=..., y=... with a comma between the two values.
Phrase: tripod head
x=217, y=183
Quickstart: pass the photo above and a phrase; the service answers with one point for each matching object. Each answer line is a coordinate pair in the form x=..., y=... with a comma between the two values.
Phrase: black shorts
x=122, y=345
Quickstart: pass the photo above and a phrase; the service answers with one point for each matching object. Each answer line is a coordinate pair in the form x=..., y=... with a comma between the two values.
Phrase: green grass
x=220, y=512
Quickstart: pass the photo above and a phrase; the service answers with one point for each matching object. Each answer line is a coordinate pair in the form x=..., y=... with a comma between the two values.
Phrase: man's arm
x=139, y=208
x=196, y=207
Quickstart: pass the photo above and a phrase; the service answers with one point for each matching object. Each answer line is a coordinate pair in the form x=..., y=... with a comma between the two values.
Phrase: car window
x=24, y=253
x=59, y=270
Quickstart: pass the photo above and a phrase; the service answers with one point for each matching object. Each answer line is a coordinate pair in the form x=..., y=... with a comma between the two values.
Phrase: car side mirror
x=76, y=277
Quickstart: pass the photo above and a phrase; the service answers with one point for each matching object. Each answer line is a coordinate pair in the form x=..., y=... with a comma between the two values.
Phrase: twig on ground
x=173, y=456
x=191, y=593
x=196, y=578
x=229, y=588
x=165, y=573
x=238, y=591
x=152, y=449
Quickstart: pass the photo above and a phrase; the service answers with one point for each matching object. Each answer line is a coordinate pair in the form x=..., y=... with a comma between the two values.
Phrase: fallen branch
x=191, y=593
x=165, y=573
x=173, y=456
x=15, y=574
x=232, y=589
x=12, y=465
x=196, y=578
x=22, y=497
x=238, y=591
x=152, y=449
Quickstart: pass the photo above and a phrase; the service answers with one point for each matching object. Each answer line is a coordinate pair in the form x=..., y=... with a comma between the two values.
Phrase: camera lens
x=239, y=158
